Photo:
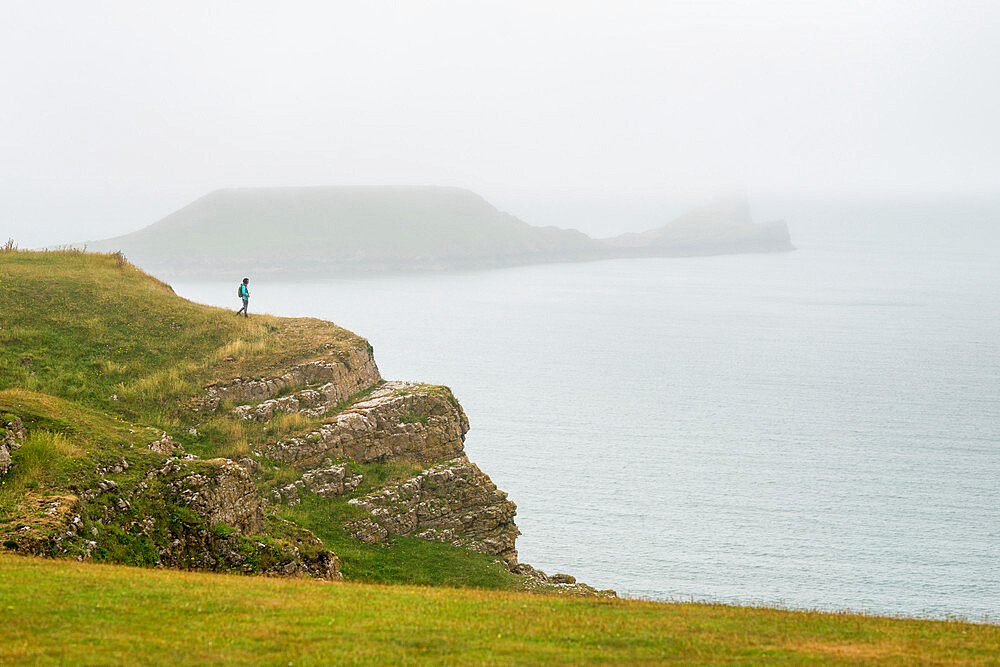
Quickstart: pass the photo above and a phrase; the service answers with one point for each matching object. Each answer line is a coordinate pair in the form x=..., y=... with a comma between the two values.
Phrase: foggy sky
x=115, y=114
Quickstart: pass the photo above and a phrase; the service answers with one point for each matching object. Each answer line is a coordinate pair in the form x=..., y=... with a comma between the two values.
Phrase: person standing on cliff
x=244, y=293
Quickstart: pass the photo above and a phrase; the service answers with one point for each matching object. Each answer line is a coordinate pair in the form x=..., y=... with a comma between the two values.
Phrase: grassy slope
x=86, y=326
x=80, y=329
x=62, y=611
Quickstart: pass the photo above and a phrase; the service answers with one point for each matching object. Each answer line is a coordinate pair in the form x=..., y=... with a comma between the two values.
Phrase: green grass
x=413, y=418
x=68, y=612
x=89, y=328
x=66, y=443
x=95, y=332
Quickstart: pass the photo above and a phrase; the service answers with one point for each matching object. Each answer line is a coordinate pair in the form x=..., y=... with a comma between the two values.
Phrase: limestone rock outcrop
x=186, y=513
x=327, y=482
x=12, y=435
x=342, y=375
x=311, y=401
x=220, y=491
x=225, y=515
x=451, y=502
x=399, y=421
x=166, y=446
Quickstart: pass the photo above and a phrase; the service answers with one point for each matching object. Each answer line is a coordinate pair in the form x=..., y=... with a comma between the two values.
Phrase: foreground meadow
x=58, y=611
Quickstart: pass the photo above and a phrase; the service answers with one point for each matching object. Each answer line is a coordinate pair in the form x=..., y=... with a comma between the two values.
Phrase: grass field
x=67, y=612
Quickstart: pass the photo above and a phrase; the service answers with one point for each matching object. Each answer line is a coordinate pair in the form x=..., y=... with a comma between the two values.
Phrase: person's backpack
x=239, y=290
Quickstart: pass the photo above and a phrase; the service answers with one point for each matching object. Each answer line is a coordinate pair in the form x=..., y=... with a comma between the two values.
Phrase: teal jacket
x=244, y=292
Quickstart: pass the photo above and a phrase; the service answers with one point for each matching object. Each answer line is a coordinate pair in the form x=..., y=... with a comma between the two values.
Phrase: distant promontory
x=337, y=231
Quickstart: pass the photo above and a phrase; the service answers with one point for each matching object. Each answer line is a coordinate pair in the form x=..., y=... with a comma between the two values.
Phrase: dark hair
x=246, y=280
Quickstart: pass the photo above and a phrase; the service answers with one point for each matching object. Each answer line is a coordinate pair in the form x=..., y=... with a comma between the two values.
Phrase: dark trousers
x=244, y=308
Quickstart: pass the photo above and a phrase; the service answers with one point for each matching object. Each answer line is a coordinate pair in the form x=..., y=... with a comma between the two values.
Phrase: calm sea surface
x=813, y=429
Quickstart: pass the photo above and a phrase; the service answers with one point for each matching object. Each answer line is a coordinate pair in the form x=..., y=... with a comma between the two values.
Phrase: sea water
x=814, y=429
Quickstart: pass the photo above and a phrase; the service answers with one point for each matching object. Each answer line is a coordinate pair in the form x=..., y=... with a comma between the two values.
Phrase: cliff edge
x=138, y=427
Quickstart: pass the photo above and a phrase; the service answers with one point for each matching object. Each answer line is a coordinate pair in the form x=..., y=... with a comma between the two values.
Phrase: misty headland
x=315, y=232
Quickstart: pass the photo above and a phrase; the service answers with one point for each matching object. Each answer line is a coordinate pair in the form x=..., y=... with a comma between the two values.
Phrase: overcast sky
x=114, y=114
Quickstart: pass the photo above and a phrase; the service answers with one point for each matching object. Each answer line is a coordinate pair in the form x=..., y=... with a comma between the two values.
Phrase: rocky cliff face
x=221, y=492
x=341, y=376
x=185, y=514
x=399, y=421
x=450, y=502
x=327, y=482
x=161, y=506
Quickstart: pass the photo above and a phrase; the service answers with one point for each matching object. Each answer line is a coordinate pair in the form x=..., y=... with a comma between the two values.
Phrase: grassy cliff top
x=88, y=327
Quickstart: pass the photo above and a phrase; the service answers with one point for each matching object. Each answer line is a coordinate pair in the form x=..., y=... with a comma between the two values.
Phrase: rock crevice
x=12, y=436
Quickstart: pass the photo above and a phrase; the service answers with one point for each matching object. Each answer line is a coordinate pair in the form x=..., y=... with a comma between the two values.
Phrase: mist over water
x=813, y=429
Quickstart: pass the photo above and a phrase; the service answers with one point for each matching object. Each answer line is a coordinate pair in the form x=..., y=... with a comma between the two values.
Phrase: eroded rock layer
x=342, y=375
x=399, y=421
x=221, y=491
x=187, y=514
x=451, y=502
x=328, y=482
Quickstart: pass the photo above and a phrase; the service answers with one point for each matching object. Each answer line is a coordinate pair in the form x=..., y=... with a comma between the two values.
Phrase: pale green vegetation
x=328, y=231
x=342, y=229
